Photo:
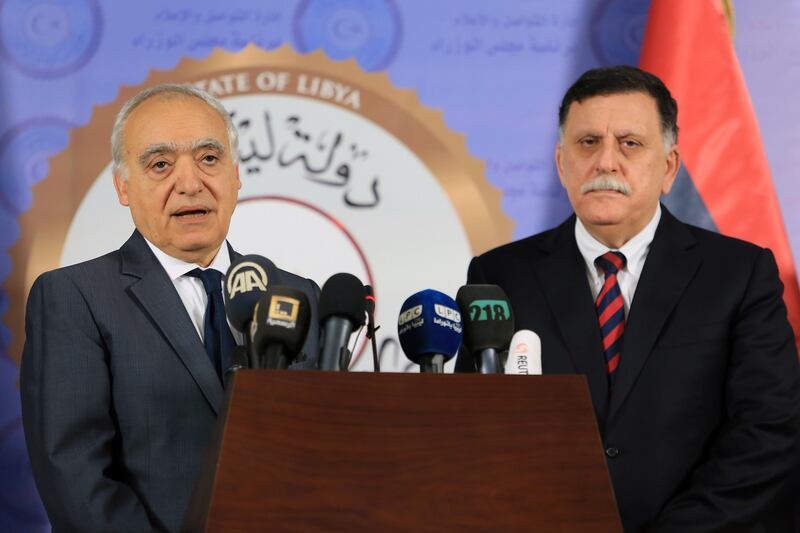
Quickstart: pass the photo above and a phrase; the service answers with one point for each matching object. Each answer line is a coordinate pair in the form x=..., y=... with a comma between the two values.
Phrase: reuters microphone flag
x=689, y=45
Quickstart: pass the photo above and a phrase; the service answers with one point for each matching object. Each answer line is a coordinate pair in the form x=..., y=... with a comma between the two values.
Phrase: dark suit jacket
x=701, y=428
x=118, y=395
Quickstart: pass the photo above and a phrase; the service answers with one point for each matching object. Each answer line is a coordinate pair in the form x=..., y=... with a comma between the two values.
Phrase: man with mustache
x=124, y=360
x=681, y=332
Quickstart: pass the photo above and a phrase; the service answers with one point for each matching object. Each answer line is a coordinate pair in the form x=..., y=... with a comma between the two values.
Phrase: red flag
x=688, y=45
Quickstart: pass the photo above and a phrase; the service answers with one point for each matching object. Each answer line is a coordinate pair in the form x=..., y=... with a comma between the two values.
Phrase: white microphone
x=524, y=354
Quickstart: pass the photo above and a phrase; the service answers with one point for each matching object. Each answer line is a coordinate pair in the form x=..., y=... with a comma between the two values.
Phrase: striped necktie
x=611, y=312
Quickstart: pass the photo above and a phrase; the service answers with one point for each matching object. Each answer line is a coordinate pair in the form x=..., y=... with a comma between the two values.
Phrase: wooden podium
x=337, y=451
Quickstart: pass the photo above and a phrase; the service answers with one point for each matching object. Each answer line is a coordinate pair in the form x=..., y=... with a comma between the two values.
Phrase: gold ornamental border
x=73, y=171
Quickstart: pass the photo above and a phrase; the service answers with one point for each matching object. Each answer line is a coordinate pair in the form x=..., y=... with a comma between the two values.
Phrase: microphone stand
x=371, y=329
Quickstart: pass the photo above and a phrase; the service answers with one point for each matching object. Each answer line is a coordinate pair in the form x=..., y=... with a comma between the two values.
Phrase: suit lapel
x=157, y=295
x=670, y=265
x=565, y=284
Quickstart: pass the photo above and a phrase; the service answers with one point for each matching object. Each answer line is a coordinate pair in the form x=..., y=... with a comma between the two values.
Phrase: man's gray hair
x=167, y=90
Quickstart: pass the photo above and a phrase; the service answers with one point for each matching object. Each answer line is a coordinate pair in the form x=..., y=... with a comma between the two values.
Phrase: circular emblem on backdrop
x=369, y=30
x=617, y=31
x=341, y=172
x=49, y=38
x=24, y=150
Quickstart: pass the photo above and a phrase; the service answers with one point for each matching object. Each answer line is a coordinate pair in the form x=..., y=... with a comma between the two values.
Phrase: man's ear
x=558, y=164
x=672, y=167
x=121, y=185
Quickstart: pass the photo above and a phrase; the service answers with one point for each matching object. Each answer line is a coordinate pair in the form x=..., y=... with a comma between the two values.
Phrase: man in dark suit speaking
x=682, y=333
x=122, y=371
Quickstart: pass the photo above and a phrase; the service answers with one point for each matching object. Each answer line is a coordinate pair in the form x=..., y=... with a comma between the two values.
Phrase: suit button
x=612, y=452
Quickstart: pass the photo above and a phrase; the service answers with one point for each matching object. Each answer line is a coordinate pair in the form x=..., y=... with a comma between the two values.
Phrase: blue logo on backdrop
x=24, y=150
x=369, y=30
x=49, y=38
x=618, y=31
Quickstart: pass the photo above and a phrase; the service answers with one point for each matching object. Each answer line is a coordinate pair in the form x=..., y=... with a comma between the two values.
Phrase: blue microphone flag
x=429, y=323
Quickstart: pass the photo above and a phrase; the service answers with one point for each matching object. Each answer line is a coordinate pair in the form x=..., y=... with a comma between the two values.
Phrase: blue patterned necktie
x=217, y=336
x=611, y=312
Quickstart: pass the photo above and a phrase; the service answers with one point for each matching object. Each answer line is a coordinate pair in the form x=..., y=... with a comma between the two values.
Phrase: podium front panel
x=335, y=451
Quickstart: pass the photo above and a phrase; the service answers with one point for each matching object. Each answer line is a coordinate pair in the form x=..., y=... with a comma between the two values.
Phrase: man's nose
x=187, y=180
x=608, y=157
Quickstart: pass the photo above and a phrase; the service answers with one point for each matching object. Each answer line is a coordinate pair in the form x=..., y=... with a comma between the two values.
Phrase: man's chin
x=601, y=222
x=197, y=248
x=602, y=214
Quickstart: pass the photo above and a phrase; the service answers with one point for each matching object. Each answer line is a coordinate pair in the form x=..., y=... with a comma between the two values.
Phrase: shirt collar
x=176, y=267
x=635, y=250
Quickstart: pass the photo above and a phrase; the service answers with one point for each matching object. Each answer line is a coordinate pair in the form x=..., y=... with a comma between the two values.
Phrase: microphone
x=246, y=280
x=341, y=309
x=280, y=325
x=430, y=329
x=524, y=354
x=488, y=325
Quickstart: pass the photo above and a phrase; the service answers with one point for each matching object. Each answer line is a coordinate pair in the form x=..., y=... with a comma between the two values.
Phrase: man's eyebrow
x=157, y=148
x=587, y=133
x=171, y=147
x=208, y=142
x=629, y=133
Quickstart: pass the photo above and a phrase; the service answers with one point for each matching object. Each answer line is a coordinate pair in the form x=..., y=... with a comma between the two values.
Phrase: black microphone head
x=343, y=296
x=245, y=282
x=369, y=296
x=488, y=320
x=281, y=316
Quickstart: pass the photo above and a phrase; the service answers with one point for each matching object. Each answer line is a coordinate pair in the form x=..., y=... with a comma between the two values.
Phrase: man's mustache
x=606, y=182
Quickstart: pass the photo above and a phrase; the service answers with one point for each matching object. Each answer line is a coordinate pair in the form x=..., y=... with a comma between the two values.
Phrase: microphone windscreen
x=488, y=320
x=369, y=297
x=245, y=282
x=524, y=354
x=343, y=296
x=430, y=323
x=281, y=316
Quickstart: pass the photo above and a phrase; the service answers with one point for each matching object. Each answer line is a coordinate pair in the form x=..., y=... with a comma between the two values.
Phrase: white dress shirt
x=190, y=289
x=635, y=252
